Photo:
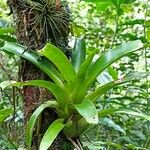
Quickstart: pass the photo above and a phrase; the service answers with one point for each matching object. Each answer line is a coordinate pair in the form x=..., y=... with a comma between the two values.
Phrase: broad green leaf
x=57, y=57
x=79, y=53
x=85, y=66
x=122, y=111
x=88, y=111
x=32, y=121
x=58, y=92
x=51, y=134
x=105, y=60
x=80, y=87
x=4, y=113
x=105, y=88
x=100, y=91
x=79, y=90
x=36, y=59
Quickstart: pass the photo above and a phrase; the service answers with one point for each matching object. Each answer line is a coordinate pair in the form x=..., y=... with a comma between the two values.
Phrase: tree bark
x=34, y=34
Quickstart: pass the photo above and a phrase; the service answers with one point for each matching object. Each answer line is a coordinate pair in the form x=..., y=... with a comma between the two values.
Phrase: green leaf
x=4, y=113
x=88, y=111
x=58, y=92
x=51, y=134
x=57, y=57
x=85, y=66
x=32, y=121
x=36, y=59
x=110, y=57
x=79, y=53
x=105, y=88
x=79, y=90
x=122, y=111
x=100, y=91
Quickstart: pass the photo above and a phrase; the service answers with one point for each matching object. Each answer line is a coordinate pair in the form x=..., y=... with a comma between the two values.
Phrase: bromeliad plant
x=73, y=99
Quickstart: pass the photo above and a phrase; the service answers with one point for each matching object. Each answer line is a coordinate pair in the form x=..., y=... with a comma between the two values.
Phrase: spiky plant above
x=45, y=20
x=52, y=18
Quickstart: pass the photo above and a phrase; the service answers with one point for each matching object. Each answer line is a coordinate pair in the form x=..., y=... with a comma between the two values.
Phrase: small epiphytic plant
x=49, y=18
x=73, y=99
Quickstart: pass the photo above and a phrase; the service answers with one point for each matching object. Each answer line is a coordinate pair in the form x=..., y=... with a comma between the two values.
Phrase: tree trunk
x=34, y=29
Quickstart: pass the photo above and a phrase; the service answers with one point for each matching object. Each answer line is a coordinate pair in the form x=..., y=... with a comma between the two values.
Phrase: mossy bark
x=34, y=35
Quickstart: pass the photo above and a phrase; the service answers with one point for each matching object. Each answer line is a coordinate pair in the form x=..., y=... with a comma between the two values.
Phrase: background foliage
x=104, y=24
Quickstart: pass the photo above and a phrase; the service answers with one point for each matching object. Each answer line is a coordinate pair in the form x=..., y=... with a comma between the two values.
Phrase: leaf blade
x=57, y=57
x=88, y=111
x=36, y=59
x=60, y=93
x=79, y=53
x=51, y=134
x=33, y=119
x=111, y=56
x=105, y=88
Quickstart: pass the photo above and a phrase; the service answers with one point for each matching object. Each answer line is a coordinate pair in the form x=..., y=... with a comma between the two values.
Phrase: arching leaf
x=57, y=57
x=105, y=88
x=79, y=53
x=88, y=111
x=51, y=134
x=58, y=92
x=32, y=121
x=36, y=59
x=105, y=60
